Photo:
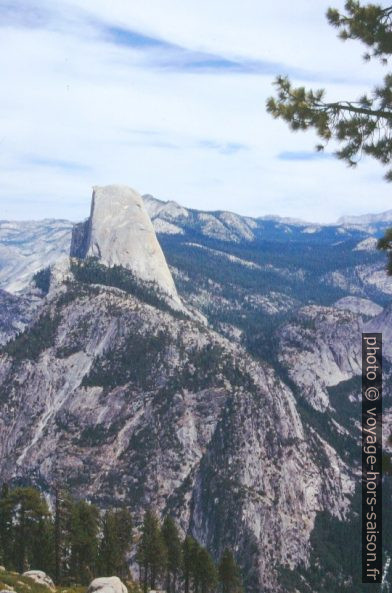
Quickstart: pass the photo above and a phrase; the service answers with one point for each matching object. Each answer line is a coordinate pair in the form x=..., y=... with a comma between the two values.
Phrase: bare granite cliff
x=119, y=232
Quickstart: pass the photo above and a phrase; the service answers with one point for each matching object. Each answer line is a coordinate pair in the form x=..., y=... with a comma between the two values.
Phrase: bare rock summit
x=119, y=232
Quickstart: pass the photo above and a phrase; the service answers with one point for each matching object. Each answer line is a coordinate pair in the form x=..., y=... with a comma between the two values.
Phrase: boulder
x=41, y=578
x=107, y=585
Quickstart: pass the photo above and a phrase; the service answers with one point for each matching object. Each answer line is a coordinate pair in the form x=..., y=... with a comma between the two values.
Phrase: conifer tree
x=66, y=514
x=205, y=573
x=42, y=552
x=57, y=536
x=229, y=574
x=189, y=549
x=108, y=548
x=123, y=520
x=385, y=244
x=361, y=127
x=63, y=504
x=152, y=554
x=32, y=530
x=115, y=542
x=84, y=541
x=174, y=553
x=6, y=528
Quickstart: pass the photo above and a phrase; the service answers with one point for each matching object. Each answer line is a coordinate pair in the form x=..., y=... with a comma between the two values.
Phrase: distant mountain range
x=383, y=218
x=25, y=247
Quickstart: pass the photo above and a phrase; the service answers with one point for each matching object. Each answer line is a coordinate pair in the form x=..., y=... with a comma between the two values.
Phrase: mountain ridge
x=25, y=248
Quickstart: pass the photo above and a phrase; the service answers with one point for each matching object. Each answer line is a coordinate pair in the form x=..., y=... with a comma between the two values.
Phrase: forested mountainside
x=235, y=411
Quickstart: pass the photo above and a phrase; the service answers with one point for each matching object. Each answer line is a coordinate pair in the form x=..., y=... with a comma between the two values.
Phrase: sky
x=168, y=97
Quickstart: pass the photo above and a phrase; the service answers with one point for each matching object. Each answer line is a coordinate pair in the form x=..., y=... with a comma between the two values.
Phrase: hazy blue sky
x=168, y=96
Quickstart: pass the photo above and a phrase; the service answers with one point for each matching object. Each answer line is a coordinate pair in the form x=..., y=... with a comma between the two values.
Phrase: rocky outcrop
x=358, y=305
x=16, y=313
x=41, y=578
x=321, y=348
x=27, y=247
x=119, y=232
x=382, y=323
x=107, y=585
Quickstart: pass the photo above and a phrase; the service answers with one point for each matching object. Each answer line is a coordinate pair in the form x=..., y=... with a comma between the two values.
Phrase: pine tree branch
x=351, y=107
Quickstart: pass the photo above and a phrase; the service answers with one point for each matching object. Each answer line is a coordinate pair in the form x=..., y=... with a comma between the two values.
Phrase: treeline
x=90, y=271
x=73, y=543
x=167, y=561
x=76, y=542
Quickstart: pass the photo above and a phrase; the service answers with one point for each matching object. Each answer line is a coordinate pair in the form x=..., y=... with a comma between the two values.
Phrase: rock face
x=16, y=312
x=358, y=305
x=119, y=232
x=27, y=247
x=107, y=585
x=319, y=351
x=383, y=324
x=41, y=578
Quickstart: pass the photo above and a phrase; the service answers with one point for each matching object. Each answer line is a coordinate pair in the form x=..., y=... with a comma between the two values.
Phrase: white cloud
x=79, y=110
